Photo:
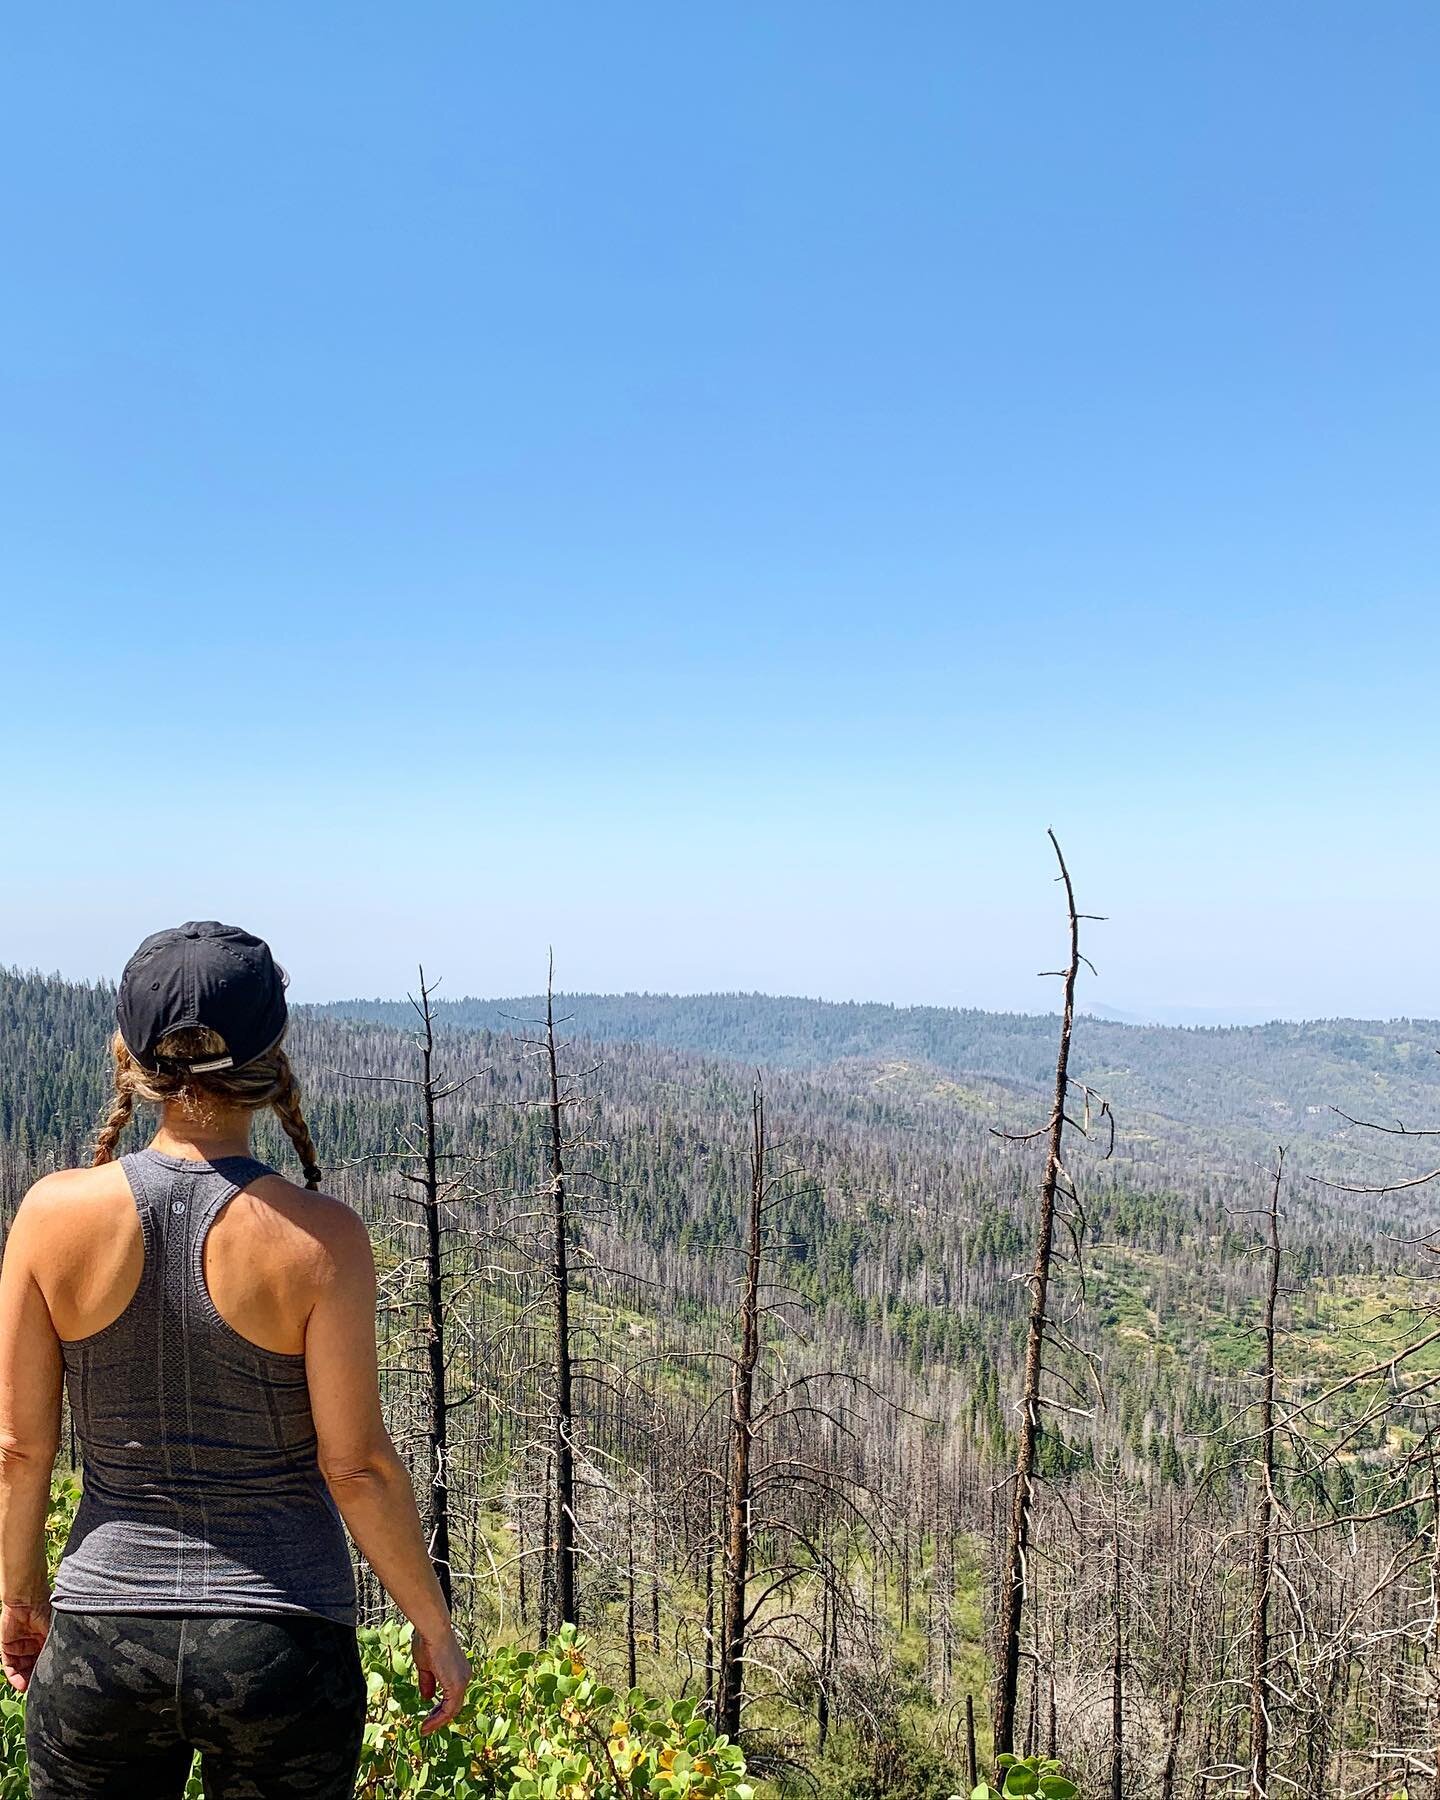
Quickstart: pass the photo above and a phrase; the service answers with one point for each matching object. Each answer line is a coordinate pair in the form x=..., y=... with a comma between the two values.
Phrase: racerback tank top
x=202, y=1492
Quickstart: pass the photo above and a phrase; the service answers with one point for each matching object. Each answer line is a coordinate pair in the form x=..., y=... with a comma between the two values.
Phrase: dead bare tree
x=435, y=1191
x=1054, y=1184
x=736, y=1572
x=429, y=1184
x=583, y=1416
x=560, y=1296
x=1117, y=1649
x=1265, y=1508
x=801, y=1530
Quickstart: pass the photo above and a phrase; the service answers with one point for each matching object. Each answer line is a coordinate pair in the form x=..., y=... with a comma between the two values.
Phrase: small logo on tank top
x=177, y=1206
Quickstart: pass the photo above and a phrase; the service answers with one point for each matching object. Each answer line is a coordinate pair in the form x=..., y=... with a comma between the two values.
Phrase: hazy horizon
x=1163, y=1014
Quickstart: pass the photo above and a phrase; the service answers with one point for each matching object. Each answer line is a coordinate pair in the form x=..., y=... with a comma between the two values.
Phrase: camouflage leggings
x=119, y=1702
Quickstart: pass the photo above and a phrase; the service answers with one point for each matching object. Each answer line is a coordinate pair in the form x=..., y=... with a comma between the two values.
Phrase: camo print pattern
x=119, y=1702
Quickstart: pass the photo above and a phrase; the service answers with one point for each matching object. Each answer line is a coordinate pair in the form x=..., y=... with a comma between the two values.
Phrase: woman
x=214, y=1326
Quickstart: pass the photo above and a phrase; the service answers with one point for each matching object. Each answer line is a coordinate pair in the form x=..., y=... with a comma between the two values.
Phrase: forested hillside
x=1279, y=1078
x=887, y=1222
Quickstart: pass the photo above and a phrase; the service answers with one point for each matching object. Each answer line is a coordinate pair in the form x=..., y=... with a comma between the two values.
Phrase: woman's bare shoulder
x=66, y=1213
x=336, y=1230
x=61, y=1184
x=64, y=1191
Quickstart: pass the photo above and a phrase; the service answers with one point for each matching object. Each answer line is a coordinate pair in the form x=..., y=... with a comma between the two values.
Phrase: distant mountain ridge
x=1187, y=1015
x=1277, y=1079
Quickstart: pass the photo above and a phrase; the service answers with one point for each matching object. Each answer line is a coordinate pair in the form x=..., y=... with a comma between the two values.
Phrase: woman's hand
x=441, y=1664
x=24, y=1627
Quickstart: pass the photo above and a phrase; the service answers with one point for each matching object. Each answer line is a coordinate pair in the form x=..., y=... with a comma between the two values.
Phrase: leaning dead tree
x=1056, y=1189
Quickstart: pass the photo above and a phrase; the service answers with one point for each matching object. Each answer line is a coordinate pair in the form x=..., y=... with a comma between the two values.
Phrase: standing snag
x=1055, y=1186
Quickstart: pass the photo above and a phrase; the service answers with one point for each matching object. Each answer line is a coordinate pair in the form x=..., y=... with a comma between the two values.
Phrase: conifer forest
x=904, y=1386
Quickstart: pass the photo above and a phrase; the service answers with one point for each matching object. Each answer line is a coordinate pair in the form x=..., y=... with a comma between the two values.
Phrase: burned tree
x=1055, y=1187
x=796, y=1521
x=578, y=1414
x=738, y=1497
x=1265, y=1509
x=439, y=1179
x=428, y=1182
x=564, y=1448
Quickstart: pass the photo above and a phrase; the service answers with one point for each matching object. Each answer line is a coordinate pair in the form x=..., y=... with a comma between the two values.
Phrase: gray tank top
x=202, y=1493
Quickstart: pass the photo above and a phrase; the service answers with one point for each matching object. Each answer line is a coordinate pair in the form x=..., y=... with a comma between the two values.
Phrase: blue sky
x=707, y=486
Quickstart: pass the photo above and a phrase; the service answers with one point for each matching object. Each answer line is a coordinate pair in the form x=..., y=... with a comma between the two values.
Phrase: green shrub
x=536, y=1726
x=1037, y=1775
x=14, y=1769
x=904, y=1766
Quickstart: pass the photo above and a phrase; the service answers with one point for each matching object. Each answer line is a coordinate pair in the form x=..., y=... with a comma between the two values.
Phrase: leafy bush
x=536, y=1726
x=14, y=1769
x=1037, y=1775
x=906, y=1764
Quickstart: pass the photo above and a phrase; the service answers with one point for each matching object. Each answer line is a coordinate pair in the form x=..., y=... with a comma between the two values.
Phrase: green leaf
x=1056, y=1787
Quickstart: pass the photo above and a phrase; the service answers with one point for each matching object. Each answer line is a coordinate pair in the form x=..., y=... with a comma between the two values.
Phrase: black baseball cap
x=202, y=974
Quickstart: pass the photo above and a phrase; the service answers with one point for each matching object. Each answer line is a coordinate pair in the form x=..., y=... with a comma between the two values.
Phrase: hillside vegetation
x=1247, y=1082
x=899, y=1224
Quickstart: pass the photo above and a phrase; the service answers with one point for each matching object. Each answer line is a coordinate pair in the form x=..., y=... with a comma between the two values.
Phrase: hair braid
x=121, y=1112
x=287, y=1109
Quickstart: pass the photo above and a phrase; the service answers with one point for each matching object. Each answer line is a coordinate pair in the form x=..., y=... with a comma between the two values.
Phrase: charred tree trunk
x=1265, y=1512
x=1177, y=1718
x=1435, y=1587
x=631, y=1660
x=1013, y=1575
x=1117, y=1656
x=735, y=1574
x=654, y=1572
x=547, y=1568
x=972, y=1763
x=564, y=1367
x=438, y=1492
x=710, y=1624
x=822, y=1685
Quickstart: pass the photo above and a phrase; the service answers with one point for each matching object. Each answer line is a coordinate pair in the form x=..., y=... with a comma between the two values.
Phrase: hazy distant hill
x=1184, y=1015
x=1266, y=1081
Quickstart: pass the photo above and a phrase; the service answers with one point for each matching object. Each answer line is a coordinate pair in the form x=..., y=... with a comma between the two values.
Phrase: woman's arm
x=361, y=1466
x=31, y=1372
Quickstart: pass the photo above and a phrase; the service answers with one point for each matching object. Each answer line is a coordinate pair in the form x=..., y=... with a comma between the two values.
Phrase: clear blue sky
x=708, y=485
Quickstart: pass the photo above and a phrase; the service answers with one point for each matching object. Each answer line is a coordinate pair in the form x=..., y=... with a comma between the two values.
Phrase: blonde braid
x=286, y=1104
x=122, y=1108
